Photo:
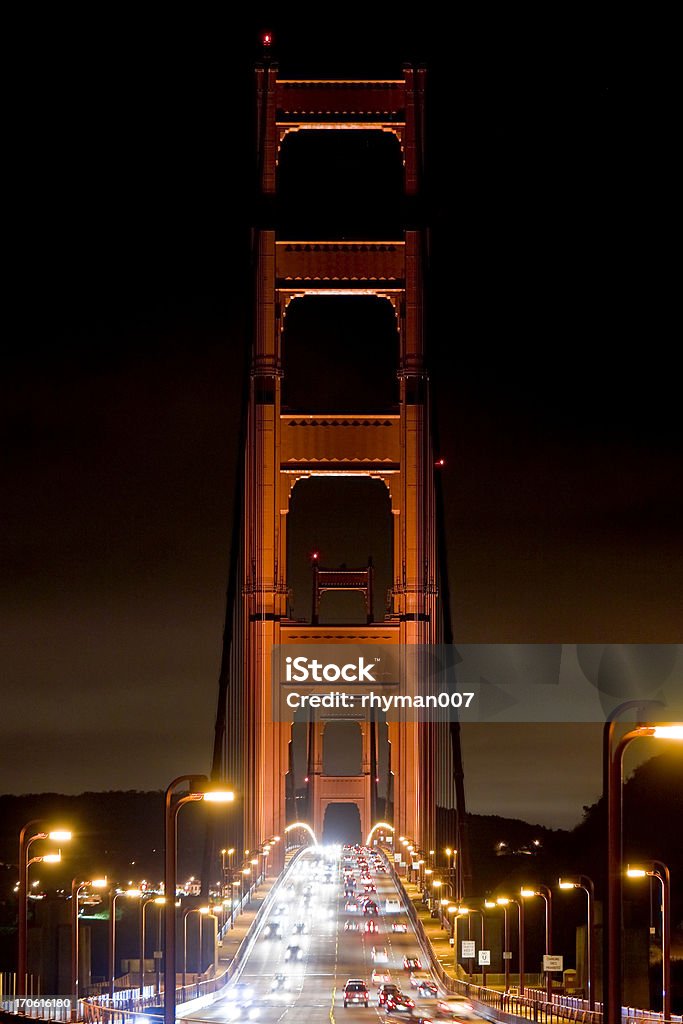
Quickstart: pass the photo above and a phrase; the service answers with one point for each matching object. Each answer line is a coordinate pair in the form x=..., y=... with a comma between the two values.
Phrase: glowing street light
x=199, y=788
x=613, y=779
x=113, y=896
x=657, y=869
x=76, y=886
x=546, y=895
x=26, y=837
x=585, y=883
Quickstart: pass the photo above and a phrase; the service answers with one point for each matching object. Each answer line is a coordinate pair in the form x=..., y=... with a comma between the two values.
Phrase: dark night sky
x=551, y=315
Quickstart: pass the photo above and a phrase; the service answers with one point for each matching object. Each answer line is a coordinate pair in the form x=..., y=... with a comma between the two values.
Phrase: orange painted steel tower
x=282, y=450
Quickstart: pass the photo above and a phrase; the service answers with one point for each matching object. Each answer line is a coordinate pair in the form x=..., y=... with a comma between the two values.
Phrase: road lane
x=299, y=977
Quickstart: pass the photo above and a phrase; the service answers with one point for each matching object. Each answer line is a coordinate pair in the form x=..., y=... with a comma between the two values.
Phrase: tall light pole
x=186, y=914
x=26, y=837
x=657, y=869
x=527, y=892
x=585, y=883
x=503, y=902
x=199, y=788
x=76, y=886
x=159, y=902
x=613, y=778
x=462, y=911
x=113, y=896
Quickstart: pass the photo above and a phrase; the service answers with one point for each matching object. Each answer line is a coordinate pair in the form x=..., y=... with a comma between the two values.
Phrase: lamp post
x=503, y=902
x=527, y=892
x=186, y=914
x=159, y=901
x=660, y=871
x=585, y=883
x=25, y=839
x=199, y=788
x=113, y=896
x=76, y=886
x=613, y=777
x=462, y=911
x=522, y=941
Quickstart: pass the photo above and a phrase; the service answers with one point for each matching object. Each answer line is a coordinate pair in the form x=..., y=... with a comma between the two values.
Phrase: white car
x=379, y=954
x=381, y=976
x=392, y=906
x=399, y=926
x=459, y=1006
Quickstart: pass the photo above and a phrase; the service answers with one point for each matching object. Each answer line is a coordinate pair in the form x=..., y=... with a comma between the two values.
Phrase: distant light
x=133, y=892
x=305, y=778
x=527, y=893
x=99, y=883
x=203, y=910
x=489, y=904
x=668, y=732
x=267, y=38
x=463, y=910
x=502, y=901
x=59, y=836
x=440, y=463
x=636, y=872
x=160, y=899
x=567, y=885
x=315, y=555
x=51, y=858
x=34, y=884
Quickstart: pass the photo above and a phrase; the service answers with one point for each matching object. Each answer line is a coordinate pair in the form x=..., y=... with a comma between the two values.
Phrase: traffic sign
x=468, y=949
x=553, y=963
x=484, y=957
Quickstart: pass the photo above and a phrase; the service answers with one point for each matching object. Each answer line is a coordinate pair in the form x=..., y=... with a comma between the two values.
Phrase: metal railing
x=533, y=1006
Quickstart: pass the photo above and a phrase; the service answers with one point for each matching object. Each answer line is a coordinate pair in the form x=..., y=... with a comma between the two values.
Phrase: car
x=299, y=928
x=279, y=982
x=427, y=987
x=384, y=990
x=455, y=1008
x=399, y=926
x=371, y=887
x=351, y=908
x=351, y=926
x=381, y=976
x=392, y=906
x=356, y=992
x=273, y=930
x=400, y=1002
x=294, y=952
x=371, y=926
x=379, y=954
x=241, y=993
x=412, y=963
x=371, y=908
x=418, y=978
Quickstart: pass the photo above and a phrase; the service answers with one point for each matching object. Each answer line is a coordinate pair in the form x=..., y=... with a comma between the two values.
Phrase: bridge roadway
x=330, y=954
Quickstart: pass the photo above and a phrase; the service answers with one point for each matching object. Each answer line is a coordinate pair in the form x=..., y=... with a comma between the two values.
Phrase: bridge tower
x=283, y=449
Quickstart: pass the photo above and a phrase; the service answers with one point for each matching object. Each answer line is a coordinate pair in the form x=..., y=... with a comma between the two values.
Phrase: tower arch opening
x=342, y=520
x=340, y=184
x=342, y=823
x=340, y=355
x=342, y=749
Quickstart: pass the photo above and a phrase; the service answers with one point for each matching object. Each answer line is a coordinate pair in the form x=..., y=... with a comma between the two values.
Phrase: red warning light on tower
x=267, y=38
x=315, y=555
x=440, y=463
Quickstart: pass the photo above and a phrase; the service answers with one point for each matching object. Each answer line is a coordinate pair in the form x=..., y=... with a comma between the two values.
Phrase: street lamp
x=657, y=869
x=199, y=789
x=503, y=902
x=613, y=778
x=186, y=914
x=468, y=911
x=113, y=896
x=25, y=840
x=159, y=901
x=547, y=896
x=76, y=886
x=585, y=883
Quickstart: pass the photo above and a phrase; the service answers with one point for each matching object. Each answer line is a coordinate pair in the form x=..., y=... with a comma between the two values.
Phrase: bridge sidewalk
x=438, y=935
x=233, y=937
